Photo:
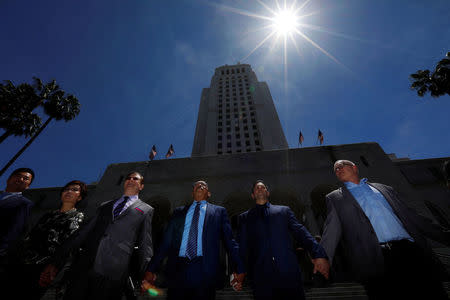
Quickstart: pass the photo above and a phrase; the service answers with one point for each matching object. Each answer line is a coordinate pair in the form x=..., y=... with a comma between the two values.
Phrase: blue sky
x=138, y=68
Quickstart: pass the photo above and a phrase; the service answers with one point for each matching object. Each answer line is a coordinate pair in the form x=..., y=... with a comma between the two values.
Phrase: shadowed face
x=345, y=171
x=200, y=191
x=260, y=192
x=18, y=182
x=133, y=184
x=71, y=194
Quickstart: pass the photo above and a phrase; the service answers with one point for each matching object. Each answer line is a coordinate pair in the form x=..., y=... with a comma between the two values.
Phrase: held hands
x=48, y=275
x=148, y=281
x=236, y=281
x=322, y=266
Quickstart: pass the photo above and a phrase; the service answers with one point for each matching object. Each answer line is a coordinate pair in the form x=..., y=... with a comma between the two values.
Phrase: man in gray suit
x=120, y=230
x=382, y=238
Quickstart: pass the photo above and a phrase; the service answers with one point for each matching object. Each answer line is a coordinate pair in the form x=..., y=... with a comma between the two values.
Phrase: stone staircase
x=341, y=291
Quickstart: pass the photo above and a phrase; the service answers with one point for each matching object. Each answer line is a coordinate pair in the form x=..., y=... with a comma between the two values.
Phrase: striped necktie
x=191, y=248
x=120, y=206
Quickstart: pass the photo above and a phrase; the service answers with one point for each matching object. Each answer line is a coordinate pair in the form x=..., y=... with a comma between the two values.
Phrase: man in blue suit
x=192, y=245
x=266, y=245
x=14, y=208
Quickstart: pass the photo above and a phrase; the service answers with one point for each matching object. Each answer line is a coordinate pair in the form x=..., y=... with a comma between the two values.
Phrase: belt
x=390, y=244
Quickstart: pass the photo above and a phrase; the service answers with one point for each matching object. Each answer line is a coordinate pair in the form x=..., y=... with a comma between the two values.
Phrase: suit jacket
x=14, y=213
x=108, y=244
x=347, y=222
x=216, y=228
x=268, y=249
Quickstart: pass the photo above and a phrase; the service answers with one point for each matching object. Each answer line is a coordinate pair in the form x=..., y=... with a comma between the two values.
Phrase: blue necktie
x=191, y=248
x=120, y=206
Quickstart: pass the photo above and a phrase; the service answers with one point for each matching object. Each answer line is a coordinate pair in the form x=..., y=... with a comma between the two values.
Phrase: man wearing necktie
x=192, y=243
x=265, y=244
x=384, y=240
x=121, y=229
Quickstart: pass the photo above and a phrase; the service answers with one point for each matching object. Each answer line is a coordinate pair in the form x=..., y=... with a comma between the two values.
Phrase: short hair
x=135, y=172
x=83, y=192
x=193, y=185
x=20, y=170
x=259, y=181
x=344, y=162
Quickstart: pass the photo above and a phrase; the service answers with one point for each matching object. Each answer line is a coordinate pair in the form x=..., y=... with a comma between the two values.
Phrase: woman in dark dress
x=50, y=232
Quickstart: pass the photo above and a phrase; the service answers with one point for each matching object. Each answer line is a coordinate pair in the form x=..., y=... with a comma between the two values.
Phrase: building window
x=246, y=128
x=229, y=145
x=228, y=129
x=219, y=123
x=254, y=127
x=257, y=142
x=229, y=151
x=247, y=143
x=219, y=137
x=238, y=136
x=248, y=150
x=219, y=145
x=247, y=135
x=243, y=70
x=258, y=149
x=228, y=137
x=238, y=143
x=222, y=74
x=253, y=120
x=219, y=152
x=239, y=150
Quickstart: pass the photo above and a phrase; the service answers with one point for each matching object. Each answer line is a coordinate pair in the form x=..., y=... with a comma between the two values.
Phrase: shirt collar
x=201, y=202
x=265, y=205
x=350, y=185
x=131, y=198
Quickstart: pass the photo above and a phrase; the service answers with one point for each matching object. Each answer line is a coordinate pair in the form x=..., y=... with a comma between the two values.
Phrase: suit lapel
x=130, y=208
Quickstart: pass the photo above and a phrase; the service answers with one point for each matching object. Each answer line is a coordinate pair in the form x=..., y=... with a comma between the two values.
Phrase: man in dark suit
x=121, y=229
x=265, y=242
x=382, y=238
x=14, y=208
x=192, y=244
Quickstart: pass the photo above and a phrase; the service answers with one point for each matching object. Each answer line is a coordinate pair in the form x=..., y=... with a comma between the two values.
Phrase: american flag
x=320, y=137
x=170, y=151
x=152, y=153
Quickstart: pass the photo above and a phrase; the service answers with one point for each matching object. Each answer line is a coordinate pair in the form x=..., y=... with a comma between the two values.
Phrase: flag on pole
x=170, y=151
x=152, y=153
x=320, y=137
x=300, y=138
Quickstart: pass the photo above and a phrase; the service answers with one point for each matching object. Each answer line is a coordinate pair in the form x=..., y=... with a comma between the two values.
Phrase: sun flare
x=285, y=22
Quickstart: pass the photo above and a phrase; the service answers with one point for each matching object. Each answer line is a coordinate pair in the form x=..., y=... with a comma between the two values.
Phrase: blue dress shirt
x=187, y=227
x=386, y=224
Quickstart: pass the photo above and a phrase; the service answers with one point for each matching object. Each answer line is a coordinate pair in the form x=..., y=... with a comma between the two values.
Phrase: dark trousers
x=91, y=285
x=410, y=273
x=190, y=282
x=23, y=280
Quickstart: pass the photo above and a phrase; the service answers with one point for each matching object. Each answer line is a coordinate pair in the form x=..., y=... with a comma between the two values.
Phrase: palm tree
x=16, y=106
x=438, y=83
x=56, y=106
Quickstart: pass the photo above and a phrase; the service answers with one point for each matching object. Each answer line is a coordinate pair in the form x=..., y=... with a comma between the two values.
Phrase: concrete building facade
x=237, y=115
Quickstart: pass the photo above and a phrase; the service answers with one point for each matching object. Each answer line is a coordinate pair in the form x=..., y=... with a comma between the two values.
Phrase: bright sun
x=285, y=22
